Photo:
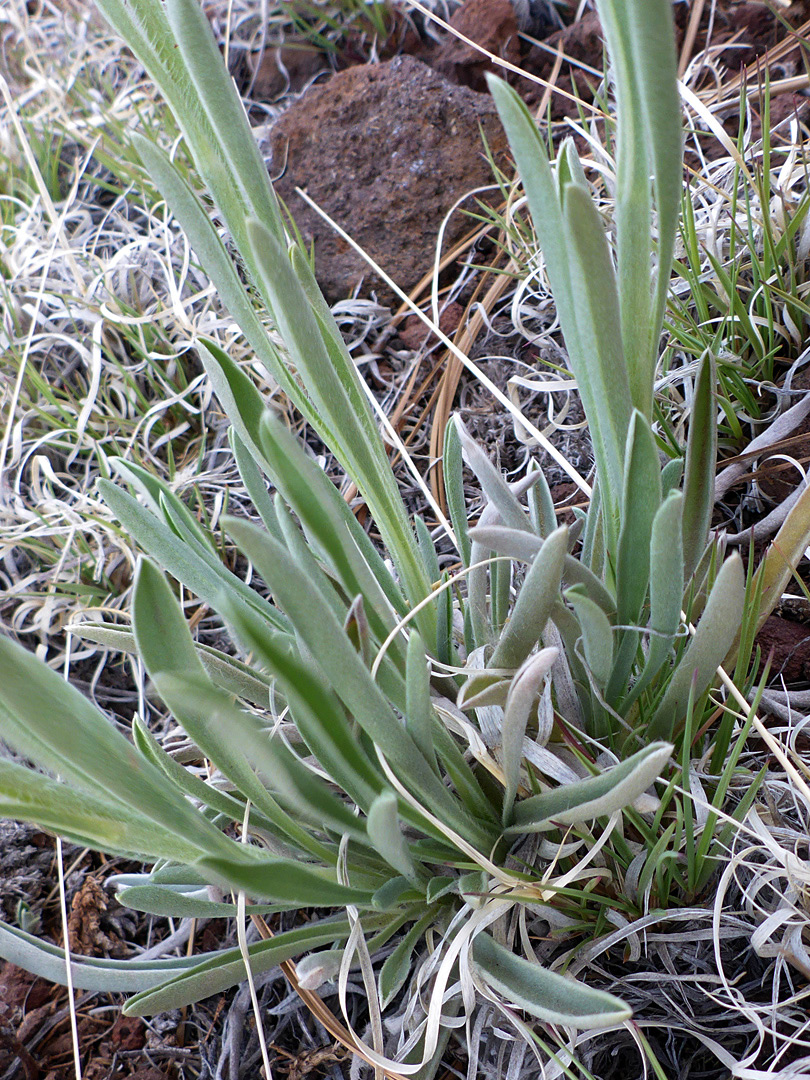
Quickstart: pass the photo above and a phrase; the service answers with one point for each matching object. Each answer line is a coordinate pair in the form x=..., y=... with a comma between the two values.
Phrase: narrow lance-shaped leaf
x=538, y=182
x=87, y=972
x=541, y=504
x=218, y=264
x=525, y=546
x=216, y=96
x=666, y=590
x=640, y=501
x=783, y=555
x=597, y=634
x=538, y=595
x=597, y=796
x=641, y=498
x=713, y=638
x=520, y=701
x=219, y=973
x=385, y=834
x=599, y=368
x=329, y=524
x=495, y=487
x=205, y=577
x=453, y=474
x=642, y=53
x=167, y=650
x=333, y=385
x=305, y=797
x=50, y=722
x=666, y=562
x=351, y=680
x=85, y=819
x=552, y=998
x=419, y=716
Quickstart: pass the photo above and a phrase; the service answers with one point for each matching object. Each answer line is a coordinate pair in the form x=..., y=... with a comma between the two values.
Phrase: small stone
x=493, y=25
x=386, y=150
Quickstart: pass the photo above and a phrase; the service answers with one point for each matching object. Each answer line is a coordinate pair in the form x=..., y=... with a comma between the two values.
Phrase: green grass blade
x=701, y=463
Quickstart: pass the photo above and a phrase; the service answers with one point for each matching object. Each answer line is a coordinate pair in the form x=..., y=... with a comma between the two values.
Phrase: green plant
x=420, y=759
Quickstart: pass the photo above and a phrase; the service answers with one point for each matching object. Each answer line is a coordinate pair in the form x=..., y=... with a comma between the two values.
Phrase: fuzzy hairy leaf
x=552, y=998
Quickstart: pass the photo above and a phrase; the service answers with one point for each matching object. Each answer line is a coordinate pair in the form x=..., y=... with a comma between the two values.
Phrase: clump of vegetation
x=409, y=754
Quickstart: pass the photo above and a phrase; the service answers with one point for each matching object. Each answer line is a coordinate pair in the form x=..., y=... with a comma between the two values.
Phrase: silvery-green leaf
x=524, y=547
x=666, y=588
x=85, y=819
x=671, y=476
x=552, y=998
x=418, y=707
x=385, y=834
x=600, y=367
x=495, y=487
x=597, y=634
x=175, y=904
x=205, y=577
x=541, y=504
x=453, y=474
x=87, y=972
x=520, y=701
x=715, y=634
x=483, y=689
x=538, y=595
x=50, y=722
x=641, y=498
x=214, y=975
x=597, y=796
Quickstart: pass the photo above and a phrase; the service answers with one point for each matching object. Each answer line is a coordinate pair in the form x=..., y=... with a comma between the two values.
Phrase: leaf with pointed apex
x=226, y=969
x=520, y=701
x=283, y=881
x=532, y=609
x=597, y=634
x=596, y=796
x=385, y=834
x=701, y=464
x=715, y=634
x=552, y=998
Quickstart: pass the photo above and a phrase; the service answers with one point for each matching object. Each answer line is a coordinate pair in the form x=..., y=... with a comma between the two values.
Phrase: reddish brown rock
x=492, y=24
x=386, y=150
x=787, y=645
x=415, y=335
